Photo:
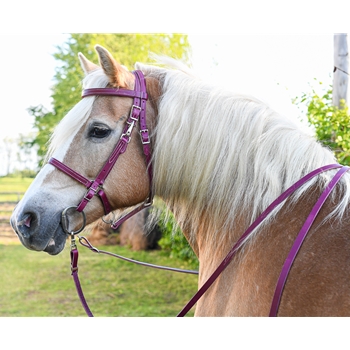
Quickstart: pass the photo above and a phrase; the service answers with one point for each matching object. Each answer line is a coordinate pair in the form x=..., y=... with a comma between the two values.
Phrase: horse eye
x=99, y=132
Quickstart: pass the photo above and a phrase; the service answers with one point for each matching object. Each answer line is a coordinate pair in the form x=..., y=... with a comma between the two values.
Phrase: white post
x=341, y=65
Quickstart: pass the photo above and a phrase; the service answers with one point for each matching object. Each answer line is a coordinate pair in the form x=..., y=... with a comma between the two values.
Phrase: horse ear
x=118, y=76
x=86, y=65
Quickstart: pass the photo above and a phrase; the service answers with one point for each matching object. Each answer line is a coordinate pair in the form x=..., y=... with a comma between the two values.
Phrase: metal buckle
x=148, y=138
x=148, y=202
x=99, y=188
x=132, y=109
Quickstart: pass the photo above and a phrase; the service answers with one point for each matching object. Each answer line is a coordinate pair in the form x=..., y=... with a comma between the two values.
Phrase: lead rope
x=85, y=243
x=74, y=267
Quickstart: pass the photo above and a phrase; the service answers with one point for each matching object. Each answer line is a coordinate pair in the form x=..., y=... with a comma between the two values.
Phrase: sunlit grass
x=37, y=284
x=17, y=185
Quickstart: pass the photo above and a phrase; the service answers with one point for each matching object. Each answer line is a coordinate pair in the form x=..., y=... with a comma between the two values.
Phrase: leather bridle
x=95, y=187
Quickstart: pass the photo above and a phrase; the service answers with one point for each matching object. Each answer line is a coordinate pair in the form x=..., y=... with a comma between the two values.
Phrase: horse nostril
x=25, y=224
x=27, y=220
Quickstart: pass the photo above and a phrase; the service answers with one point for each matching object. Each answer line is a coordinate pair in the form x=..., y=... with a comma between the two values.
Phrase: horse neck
x=209, y=242
x=219, y=164
x=220, y=152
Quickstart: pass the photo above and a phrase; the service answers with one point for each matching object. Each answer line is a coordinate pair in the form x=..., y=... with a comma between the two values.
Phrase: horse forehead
x=110, y=106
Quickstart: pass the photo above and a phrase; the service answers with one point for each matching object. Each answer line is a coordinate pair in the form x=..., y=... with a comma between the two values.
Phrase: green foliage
x=331, y=123
x=26, y=173
x=66, y=92
x=173, y=242
x=44, y=123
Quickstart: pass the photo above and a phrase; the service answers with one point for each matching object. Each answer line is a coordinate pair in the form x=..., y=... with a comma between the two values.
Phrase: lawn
x=37, y=284
x=15, y=185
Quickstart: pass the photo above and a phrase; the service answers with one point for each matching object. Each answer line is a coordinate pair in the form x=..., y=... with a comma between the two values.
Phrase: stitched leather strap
x=74, y=255
x=92, y=186
x=250, y=229
x=70, y=172
x=300, y=239
x=114, y=92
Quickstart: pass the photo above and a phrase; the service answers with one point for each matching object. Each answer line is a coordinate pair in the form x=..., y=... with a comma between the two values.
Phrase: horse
x=219, y=159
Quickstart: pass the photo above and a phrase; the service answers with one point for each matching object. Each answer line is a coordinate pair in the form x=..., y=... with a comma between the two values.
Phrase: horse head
x=83, y=141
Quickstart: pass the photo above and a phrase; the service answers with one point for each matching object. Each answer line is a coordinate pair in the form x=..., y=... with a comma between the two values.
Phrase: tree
x=341, y=67
x=9, y=148
x=331, y=123
x=66, y=92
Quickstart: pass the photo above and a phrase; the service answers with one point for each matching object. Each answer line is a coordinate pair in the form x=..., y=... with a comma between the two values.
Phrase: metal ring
x=109, y=222
x=65, y=221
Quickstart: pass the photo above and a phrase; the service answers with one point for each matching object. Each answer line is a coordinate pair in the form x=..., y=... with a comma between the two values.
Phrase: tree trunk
x=341, y=68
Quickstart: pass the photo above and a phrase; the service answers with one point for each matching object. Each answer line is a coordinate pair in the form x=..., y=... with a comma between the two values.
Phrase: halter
x=95, y=187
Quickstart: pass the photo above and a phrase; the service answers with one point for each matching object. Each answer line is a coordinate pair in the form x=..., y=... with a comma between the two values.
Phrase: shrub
x=173, y=243
x=331, y=123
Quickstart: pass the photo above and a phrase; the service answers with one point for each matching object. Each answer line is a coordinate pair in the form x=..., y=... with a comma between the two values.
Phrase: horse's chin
x=52, y=240
x=55, y=247
x=56, y=243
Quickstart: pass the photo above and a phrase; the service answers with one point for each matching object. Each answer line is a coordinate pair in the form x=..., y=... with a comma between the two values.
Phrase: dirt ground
x=7, y=235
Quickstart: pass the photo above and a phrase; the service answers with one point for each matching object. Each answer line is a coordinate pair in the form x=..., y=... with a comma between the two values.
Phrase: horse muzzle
x=39, y=230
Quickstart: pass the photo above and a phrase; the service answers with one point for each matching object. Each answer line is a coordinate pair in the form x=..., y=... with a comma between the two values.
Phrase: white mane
x=226, y=154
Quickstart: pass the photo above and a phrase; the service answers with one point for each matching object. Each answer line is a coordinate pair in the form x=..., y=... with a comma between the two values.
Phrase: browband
x=114, y=92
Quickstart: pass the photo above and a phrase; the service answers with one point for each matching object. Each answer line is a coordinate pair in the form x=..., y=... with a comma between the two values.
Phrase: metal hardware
x=126, y=140
x=109, y=222
x=131, y=111
x=72, y=242
x=148, y=138
x=131, y=127
x=148, y=202
x=65, y=222
x=95, y=190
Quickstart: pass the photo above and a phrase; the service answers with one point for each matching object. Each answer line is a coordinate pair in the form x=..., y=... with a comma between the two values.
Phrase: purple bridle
x=95, y=187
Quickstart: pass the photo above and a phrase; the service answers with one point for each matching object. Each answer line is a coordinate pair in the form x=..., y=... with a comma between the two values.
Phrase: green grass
x=13, y=184
x=37, y=284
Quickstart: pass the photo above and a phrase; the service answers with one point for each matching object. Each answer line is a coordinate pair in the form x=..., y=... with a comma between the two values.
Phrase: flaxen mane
x=217, y=151
x=227, y=154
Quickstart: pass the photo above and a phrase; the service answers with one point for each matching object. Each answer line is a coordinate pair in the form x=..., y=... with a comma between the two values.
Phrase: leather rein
x=95, y=188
